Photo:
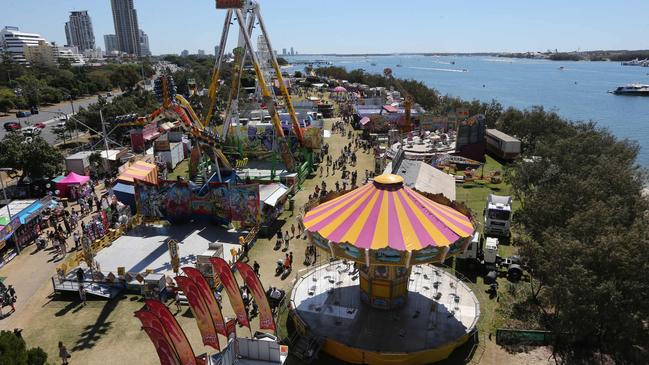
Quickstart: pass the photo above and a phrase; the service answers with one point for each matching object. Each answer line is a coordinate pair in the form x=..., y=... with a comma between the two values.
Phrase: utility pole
x=103, y=129
x=76, y=125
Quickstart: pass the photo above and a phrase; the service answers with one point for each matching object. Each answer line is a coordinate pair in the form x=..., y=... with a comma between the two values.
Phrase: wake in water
x=498, y=60
x=440, y=69
x=442, y=62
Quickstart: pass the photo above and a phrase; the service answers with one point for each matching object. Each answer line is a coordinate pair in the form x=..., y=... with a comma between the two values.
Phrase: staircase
x=199, y=180
x=306, y=348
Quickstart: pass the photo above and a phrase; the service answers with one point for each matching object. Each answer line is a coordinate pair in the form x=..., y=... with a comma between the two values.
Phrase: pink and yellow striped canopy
x=384, y=213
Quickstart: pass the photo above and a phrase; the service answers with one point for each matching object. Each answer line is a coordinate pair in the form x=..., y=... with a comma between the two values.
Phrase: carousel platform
x=439, y=315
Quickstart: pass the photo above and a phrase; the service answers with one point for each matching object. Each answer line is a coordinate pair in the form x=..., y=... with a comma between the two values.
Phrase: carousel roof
x=384, y=213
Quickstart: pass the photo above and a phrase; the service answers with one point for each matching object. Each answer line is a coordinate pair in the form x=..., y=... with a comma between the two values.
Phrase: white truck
x=486, y=255
x=498, y=216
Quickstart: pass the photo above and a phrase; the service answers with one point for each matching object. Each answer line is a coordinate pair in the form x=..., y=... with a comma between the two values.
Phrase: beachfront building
x=144, y=44
x=13, y=42
x=126, y=27
x=48, y=54
x=110, y=43
x=78, y=31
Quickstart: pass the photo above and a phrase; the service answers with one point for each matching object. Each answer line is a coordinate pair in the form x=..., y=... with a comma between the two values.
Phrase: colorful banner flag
x=199, y=308
x=210, y=300
x=163, y=348
x=266, y=320
x=151, y=321
x=173, y=330
x=232, y=288
x=231, y=328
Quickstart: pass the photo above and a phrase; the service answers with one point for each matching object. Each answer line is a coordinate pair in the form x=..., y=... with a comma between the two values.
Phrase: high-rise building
x=184, y=53
x=78, y=30
x=110, y=43
x=283, y=51
x=201, y=52
x=292, y=52
x=216, y=51
x=126, y=27
x=144, y=44
x=13, y=42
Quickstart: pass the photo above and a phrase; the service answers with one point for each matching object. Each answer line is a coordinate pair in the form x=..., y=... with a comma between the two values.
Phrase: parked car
x=31, y=131
x=109, y=94
x=12, y=126
x=34, y=110
x=59, y=127
x=22, y=114
x=39, y=125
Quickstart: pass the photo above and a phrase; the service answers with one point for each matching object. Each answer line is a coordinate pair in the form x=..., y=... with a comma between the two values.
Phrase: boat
x=373, y=64
x=632, y=89
x=561, y=68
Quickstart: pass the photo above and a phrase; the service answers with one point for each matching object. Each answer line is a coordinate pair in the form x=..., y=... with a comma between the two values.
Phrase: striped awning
x=384, y=213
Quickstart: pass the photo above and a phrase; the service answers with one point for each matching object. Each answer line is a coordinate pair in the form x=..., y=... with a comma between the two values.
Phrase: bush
x=13, y=351
x=36, y=356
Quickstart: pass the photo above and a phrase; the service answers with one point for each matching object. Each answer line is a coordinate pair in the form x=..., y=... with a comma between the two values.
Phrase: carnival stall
x=139, y=170
x=73, y=186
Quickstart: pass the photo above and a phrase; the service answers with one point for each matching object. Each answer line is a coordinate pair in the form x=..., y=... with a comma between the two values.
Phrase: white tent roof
x=425, y=178
x=270, y=194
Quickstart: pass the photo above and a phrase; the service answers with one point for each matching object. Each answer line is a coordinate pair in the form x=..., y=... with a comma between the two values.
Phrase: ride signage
x=229, y=4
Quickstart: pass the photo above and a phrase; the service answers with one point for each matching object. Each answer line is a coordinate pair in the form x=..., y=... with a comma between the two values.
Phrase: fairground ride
x=248, y=15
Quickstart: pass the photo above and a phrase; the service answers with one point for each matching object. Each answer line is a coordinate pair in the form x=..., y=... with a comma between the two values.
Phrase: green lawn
x=493, y=314
x=182, y=170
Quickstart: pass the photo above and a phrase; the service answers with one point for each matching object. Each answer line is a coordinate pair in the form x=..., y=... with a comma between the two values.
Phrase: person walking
x=290, y=260
x=12, y=294
x=255, y=268
x=286, y=241
x=66, y=224
x=177, y=302
x=76, y=238
x=82, y=294
x=293, y=230
x=63, y=354
x=81, y=276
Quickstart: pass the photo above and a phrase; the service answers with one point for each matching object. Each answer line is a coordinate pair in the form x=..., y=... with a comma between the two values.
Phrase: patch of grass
x=181, y=170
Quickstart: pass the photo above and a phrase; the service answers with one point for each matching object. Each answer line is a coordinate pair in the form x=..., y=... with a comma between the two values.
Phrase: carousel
x=381, y=300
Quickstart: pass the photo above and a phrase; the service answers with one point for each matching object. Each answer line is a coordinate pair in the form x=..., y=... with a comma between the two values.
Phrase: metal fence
x=506, y=336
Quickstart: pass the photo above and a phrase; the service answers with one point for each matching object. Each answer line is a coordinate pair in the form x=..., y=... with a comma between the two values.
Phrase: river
x=575, y=90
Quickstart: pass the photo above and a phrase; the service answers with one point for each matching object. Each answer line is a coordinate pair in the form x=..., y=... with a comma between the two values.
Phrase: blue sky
x=366, y=26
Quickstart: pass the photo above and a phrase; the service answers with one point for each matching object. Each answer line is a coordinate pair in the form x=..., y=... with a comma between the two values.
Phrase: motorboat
x=632, y=89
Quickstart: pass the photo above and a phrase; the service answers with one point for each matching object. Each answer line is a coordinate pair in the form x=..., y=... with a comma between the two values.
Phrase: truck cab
x=498, y=216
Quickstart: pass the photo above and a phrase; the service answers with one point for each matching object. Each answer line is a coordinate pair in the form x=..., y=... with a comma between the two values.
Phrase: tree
x=13, y=351
x=584, y=225
x=282, y=61
x=36, y=159
x=297, y=74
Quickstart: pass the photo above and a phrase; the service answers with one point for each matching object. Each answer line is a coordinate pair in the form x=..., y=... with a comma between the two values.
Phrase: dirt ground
x=105, y=332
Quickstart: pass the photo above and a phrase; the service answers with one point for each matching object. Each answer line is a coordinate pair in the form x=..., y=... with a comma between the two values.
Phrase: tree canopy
x=36, y=159
x=13, y=351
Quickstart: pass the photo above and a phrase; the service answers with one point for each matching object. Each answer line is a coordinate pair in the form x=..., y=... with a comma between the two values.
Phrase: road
x=50, y=116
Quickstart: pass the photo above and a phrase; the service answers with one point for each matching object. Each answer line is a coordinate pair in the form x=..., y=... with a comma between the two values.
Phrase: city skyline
x=506, y=26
